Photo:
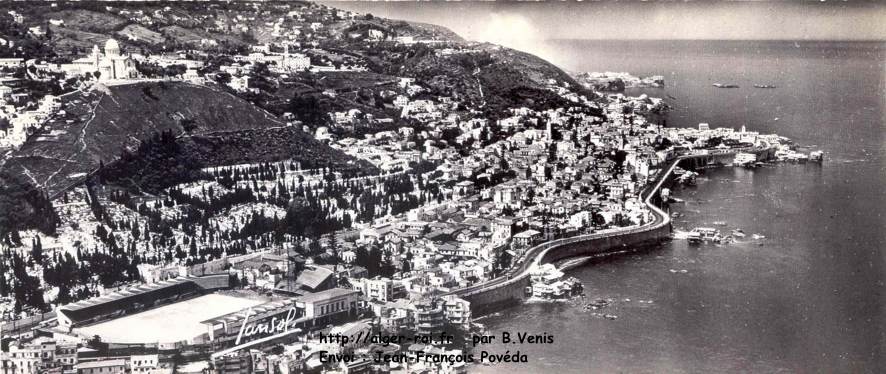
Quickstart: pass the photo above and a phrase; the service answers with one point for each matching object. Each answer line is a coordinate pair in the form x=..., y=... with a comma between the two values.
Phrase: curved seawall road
x=508, y=290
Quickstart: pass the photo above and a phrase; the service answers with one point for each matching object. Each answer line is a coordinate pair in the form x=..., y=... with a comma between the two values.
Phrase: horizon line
x=721, y=40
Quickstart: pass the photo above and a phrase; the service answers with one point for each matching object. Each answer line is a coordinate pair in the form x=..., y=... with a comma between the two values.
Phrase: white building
x=111, y=65
x=11, y=62
x=378, y=288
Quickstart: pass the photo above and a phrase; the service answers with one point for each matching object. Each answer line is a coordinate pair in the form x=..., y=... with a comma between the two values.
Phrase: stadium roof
x=87, y=309
x=117, y=295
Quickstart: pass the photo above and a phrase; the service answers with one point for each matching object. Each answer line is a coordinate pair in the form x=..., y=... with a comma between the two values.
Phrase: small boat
x=764, y=86
x=738, y=233
x=791, y=156
x=816, y=156
x=610, y=316
x=758, y=236
x=798, y=157
x=725, y=85
x=703, y=234
x=719, y=223
x=745, y=159
x=598, y=304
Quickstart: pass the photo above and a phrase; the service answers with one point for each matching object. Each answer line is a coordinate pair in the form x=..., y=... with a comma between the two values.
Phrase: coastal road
x=536, y=254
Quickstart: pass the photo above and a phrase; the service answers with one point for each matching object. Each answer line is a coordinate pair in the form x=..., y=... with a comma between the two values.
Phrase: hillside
x=494, y=76
x=108, y=121
x=165, y=161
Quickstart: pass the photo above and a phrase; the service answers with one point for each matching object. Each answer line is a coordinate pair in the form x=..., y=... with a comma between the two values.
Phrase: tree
x=37, y=250
x=234, y=280
x=4, y=285
x=223, y=78
x=333, y=246
x=179, y=253
x=503, y=261
x=97, y=344
x=16, y=238
x=64, y=295
x=296, y=265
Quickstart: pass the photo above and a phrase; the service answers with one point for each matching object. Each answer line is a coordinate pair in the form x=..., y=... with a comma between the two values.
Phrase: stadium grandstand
x=137, y=299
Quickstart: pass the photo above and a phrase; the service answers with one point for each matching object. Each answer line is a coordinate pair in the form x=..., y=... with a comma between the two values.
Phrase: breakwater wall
x=512, y=292
x=720, y=157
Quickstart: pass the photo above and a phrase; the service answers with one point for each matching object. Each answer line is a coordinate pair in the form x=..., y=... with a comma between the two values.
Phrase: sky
x=515, y=24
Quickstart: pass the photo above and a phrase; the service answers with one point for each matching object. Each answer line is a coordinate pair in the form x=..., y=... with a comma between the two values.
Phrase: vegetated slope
x=436, y=31
x=519, y=79
x=109, y=121
x=165, y=160
x=23, y=207
x=489, y=75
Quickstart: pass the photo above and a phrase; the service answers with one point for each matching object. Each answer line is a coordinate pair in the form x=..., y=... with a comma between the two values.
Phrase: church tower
x=96, y=57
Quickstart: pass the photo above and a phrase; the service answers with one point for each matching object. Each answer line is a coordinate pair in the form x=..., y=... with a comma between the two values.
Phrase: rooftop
x=326, y=295
x=100, y=364
x=122, y=294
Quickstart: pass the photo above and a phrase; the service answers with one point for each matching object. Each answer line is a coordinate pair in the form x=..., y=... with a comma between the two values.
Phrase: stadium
x=188, y=311
x=164, y=312
x=177, y=322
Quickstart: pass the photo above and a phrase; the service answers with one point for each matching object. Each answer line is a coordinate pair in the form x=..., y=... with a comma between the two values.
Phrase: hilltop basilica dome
x=112, y=48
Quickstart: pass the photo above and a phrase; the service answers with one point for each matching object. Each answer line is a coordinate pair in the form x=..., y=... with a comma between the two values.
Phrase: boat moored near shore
x=747, y=160
x=704, y=234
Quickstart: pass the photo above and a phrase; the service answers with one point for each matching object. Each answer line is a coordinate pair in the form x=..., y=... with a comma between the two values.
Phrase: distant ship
x=727, y=85
x=764, y=86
